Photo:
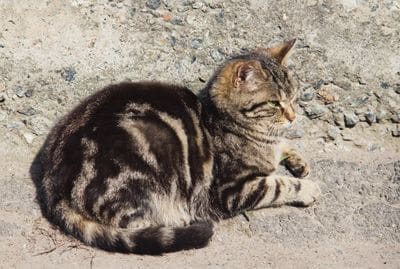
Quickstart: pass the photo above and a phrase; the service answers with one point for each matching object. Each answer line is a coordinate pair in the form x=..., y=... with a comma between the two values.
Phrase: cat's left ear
x=280, y=52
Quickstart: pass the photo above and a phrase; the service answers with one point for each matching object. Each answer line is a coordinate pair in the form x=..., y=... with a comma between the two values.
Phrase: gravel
x=350, y=119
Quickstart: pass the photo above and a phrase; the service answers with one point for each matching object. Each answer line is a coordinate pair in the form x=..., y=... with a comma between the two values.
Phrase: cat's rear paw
x=307, y=194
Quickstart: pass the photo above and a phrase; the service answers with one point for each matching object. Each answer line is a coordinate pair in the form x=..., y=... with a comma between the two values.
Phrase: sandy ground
x=54, y=53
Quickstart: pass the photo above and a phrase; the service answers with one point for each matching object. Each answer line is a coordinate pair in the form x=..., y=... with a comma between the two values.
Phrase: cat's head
x=256, y=87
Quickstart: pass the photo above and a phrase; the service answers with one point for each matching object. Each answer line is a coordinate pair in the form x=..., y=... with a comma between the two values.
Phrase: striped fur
x=147, y=167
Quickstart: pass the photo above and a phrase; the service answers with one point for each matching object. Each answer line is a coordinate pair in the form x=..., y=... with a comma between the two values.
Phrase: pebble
x=68, y=74
x=20, y=91
x=29, y=93
x=350, y=119
x=370, y=117
x=153, y=4
x=333, y=132
x=396, y=131
x=294, y=134
x=29, y=137
x=307, y=94
x=381, y=115
x=177, y=21
x=347, y=135
x=27, y=111
x=396, y=117
x=397, y=89
x=315, y=111
x=196, y=43
x=216, y=55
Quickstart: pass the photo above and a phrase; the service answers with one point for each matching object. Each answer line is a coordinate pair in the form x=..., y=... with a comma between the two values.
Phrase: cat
x=148, y=167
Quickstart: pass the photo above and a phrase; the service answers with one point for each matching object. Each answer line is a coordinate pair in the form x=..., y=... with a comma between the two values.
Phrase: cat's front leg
x=259, y=191
x=294, y=162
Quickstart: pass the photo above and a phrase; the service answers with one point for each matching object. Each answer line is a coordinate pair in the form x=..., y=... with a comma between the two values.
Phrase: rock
x=347, y=135
x=350, y=119
x=360, y=101
x=329, y=93
x=307, y=94
x=29, y=137
x=294, y=133
x=177, y=21
x=29, y=93
x=370, y=117
x=196, y=43
x=396, y=117
x=333, y=132
x=396, y=131
x=397, y=88
x=68, y=74
x=2, y=97
x=339, y=120
x=381, y=115
x=27, y=111
x=20, y=91
x=315, y=111
x=216, y=55
x=385, y=85
x=153, y=4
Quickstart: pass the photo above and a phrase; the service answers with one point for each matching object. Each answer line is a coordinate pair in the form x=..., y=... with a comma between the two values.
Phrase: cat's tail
x=150, y=240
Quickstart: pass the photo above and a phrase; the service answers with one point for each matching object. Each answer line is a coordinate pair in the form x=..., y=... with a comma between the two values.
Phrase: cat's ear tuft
x=280, y=52
x=244, y=75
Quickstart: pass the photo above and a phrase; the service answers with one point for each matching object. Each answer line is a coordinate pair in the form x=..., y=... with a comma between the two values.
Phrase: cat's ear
x=244, y=75
x=280, y=52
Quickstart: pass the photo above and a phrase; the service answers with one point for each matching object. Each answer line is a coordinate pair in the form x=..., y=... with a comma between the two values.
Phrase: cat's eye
x=274, y=103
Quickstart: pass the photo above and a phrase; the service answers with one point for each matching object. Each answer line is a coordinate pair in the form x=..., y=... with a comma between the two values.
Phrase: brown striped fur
x=148, y=167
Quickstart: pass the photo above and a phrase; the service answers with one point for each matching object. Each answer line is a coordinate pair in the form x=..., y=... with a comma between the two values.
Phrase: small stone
x=153, y=4
x=339, y=120
x=197, y=5
x=29, y=137
x=385, y=85
x=333, y=132
x=397, y=88
x=177, y=21
x=315, y=111
x=27, y=111
x=360, y=101
x=370, y=117
x=307, y=94
x=196, y=43
x=373, y=147
x=350, y=119
x=396, y=117
x=294, y=134
x=2, y=98
x=347, y=135
x=68, y=74
x=396, y=131
x=29, y=93
x=381, y=115
x=19, y=91
x=217, y=55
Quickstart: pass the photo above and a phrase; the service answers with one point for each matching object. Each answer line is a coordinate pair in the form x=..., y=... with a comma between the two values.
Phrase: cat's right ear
x=244, y=76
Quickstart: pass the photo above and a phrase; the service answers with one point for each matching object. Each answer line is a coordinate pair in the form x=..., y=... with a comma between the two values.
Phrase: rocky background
x=347, y=62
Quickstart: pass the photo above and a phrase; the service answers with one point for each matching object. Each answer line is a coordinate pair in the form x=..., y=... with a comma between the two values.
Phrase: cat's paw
x=308, y=193
x=297, y=166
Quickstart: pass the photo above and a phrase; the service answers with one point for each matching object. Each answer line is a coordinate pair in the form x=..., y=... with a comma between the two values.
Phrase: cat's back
x=147, y=128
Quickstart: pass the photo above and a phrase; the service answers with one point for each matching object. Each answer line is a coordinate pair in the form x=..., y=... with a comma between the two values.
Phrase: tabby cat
x=148, y=167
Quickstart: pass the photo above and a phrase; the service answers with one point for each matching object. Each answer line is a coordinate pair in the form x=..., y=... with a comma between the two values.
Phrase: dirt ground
x=54, y=53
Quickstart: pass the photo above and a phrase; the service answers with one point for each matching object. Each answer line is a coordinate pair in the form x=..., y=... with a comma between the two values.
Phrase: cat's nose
x=289, y=114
